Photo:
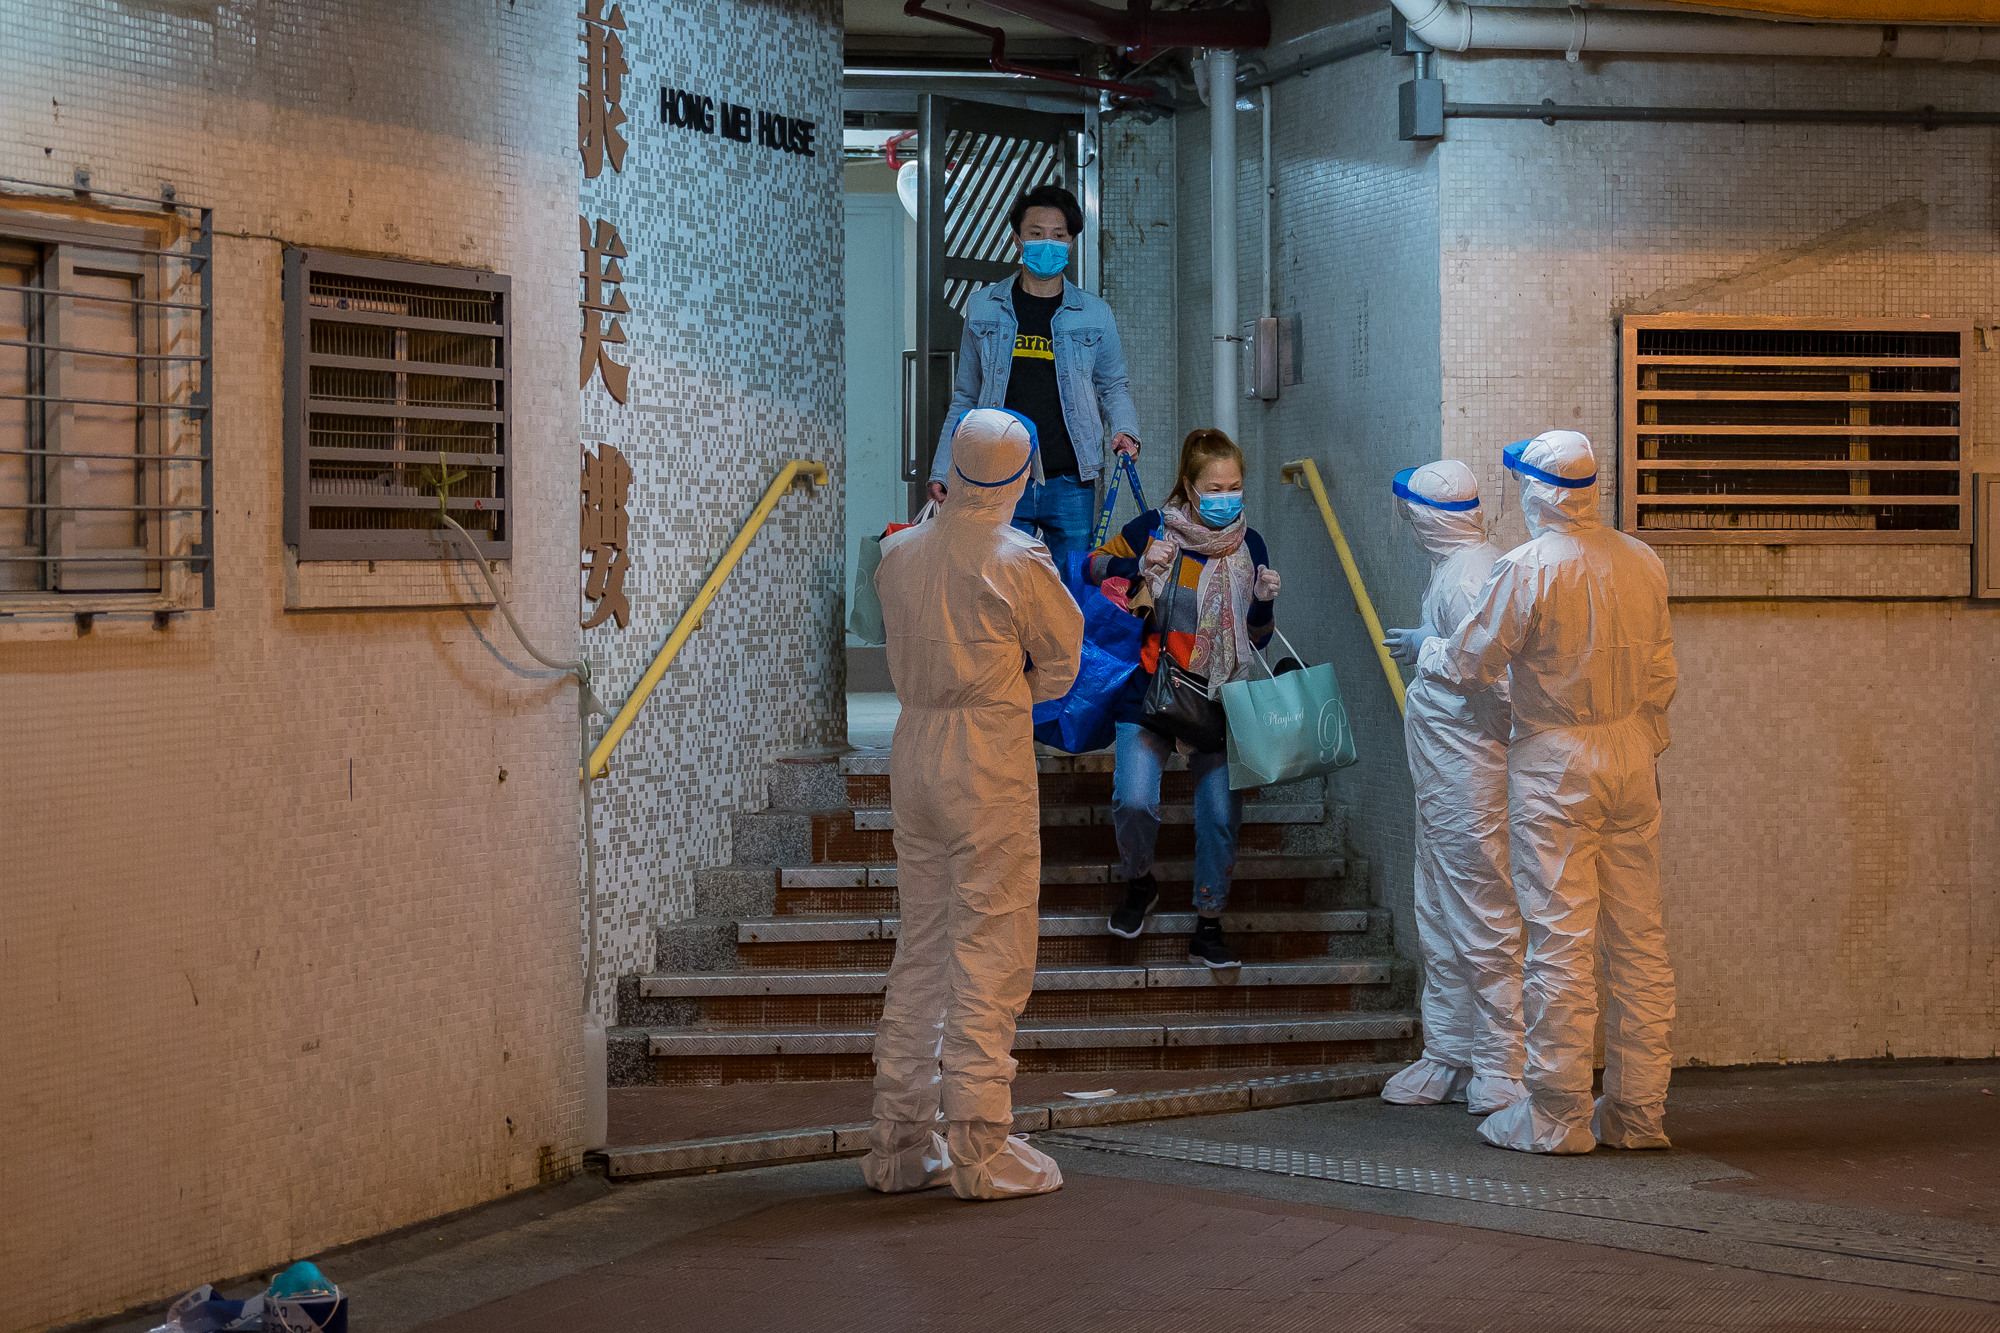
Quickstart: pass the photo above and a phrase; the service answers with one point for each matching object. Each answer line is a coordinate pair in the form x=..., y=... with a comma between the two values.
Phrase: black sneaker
x=1206, y=945
x=1128, y=919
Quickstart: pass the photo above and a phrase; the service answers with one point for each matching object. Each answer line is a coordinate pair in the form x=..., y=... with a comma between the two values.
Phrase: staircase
x=780, y=975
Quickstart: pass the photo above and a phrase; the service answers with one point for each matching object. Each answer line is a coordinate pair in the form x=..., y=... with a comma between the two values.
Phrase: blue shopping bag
x=1086, y=718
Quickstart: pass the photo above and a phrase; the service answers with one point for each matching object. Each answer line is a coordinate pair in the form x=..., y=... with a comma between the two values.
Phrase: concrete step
x=1090, y=816
x=1261, y=883
x=1219, y=1094
x=1068, y=939
x=1343, y=972
x=1151, y=1031
x=801, y=929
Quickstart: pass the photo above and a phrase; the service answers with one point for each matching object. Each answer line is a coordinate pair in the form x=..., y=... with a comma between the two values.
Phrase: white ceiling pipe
x=1451, y=25
x=1227, y=337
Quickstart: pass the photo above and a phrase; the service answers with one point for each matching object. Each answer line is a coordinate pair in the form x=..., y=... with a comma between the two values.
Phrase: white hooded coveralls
x=1579, y=617
x=967, y=602
x=1468, y=925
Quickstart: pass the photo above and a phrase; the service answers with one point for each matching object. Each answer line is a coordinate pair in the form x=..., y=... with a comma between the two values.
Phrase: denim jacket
x=1090, y=371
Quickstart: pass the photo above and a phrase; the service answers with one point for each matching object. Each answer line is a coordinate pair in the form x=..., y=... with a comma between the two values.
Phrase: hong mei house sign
x=685, y=110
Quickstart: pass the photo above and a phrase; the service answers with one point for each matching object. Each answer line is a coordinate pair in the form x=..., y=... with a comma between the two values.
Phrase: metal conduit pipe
x=1222, y=233
x=1452, y=25
x=1928, y=118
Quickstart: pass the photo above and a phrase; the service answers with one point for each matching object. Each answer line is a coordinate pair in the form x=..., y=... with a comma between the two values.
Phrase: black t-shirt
x=1031, y=384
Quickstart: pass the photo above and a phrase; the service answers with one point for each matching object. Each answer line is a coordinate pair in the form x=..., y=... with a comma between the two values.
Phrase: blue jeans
x=1061, y=511
x=1135, y=812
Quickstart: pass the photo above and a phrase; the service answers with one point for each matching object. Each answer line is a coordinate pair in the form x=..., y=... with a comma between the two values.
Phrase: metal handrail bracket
x=815, y=474
x=1304, y=474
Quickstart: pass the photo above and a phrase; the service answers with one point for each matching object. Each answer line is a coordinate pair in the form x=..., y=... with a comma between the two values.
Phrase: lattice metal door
x=976, y=160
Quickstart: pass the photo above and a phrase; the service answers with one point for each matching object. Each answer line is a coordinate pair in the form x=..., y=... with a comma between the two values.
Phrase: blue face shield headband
x=1511, y=456
x=1401, y=486
x=1034, y=454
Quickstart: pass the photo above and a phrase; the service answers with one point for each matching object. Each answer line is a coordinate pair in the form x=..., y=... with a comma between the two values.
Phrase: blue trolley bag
x=1086, y=718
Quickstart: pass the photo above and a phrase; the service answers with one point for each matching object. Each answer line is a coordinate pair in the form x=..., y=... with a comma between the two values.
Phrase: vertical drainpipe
x=1222, y=233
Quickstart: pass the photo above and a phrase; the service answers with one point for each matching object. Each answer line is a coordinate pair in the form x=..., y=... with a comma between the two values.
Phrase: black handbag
x=1177, y=702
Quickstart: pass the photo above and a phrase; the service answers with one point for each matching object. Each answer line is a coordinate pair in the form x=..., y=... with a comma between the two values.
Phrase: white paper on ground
x=1099, y=1095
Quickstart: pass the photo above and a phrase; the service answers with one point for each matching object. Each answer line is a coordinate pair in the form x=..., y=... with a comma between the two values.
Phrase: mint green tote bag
x=1285, y=728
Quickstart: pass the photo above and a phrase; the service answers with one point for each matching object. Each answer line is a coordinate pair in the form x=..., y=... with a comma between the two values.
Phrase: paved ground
x=1802, y=1199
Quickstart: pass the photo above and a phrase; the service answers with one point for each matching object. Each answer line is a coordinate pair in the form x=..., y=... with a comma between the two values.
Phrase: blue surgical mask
x=1220, y=509
x=1045, y=259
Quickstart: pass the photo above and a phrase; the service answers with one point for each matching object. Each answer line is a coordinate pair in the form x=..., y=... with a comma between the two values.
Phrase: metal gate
x=976, y=160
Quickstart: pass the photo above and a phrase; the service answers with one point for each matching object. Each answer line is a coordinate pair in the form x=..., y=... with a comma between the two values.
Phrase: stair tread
x=1249, y=866
x=879, y=817
x=1192, y=1029
x=862, y=981
x=797, y=929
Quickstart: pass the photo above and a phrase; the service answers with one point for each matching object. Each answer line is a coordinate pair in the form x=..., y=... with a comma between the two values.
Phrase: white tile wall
x=734, y=278
x=1828, y=852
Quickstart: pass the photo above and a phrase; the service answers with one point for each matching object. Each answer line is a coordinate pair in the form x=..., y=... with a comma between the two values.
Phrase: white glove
x=1267, y=585
x=1158, y=555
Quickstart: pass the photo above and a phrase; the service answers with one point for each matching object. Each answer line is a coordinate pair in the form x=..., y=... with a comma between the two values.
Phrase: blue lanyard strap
x=1512, y=457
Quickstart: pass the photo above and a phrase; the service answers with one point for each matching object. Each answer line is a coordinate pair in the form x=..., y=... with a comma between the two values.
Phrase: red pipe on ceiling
x=1001, y=64
x=1140, y=30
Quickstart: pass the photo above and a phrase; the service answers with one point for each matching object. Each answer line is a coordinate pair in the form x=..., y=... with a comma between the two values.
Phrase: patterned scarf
x=1221, y=637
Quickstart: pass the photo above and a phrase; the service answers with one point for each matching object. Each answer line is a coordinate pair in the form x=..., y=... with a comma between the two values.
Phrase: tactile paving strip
x=1857, y=1242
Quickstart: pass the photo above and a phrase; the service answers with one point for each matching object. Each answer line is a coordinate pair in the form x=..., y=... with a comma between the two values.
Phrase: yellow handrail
x=600, y=758
x=1305, y=475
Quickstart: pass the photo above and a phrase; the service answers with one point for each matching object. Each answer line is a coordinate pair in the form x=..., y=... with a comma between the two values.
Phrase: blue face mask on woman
x=1220, y=509
x=1045, y=259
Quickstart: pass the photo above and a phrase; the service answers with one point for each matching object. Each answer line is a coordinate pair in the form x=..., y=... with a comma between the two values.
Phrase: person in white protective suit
x=1579, y=617
x=980, y=629
x=1468, y=925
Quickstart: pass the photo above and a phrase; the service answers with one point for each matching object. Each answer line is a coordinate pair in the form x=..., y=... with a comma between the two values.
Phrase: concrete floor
x=1800, y=1199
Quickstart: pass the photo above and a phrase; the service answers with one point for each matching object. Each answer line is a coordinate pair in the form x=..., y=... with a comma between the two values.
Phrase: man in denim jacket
x=1039, y=346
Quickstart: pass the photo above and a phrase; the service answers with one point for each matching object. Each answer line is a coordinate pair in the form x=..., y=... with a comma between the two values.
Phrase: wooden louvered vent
x=396, y=379
x=1741, y=429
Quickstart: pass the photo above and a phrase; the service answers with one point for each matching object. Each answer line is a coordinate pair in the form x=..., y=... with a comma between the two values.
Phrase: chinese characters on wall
x=607, y=477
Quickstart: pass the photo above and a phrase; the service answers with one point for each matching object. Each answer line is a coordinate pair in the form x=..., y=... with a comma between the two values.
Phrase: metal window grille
x=397, y=379
x=1793, y=430
x=106, y=483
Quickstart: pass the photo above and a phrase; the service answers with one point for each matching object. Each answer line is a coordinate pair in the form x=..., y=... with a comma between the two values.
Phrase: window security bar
x=112, y=509
x=123, y=458
x=58, y=292
x=95, y=351
x=201, y=559
x=189, y=406
x=120, y=526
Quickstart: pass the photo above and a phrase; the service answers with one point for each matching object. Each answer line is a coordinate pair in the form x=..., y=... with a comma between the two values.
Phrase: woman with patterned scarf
x=1199, y=546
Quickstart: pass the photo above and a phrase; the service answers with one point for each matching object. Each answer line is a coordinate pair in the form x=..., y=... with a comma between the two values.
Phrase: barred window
x=1793, y=430
x=396, y=385
x=104, y=407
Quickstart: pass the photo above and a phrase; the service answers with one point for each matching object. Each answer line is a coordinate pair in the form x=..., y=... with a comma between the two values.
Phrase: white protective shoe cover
x=1017, y=1171
x=903, y=1157
x=1524, y=1129
x=1485, y=1095
x=1617, y=1125
x=1428, y=1082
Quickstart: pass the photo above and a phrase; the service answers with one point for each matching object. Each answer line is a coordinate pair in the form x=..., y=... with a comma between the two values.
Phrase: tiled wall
x=1137, y=179
x=734, y=279
x=1355, y=254
x=288, y=962
x=1829, y=884
x=1829, y=849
